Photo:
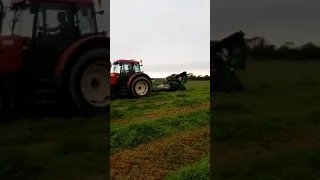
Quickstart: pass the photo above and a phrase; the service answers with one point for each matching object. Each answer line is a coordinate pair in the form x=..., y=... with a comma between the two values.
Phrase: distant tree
x=260, y=49
x=206, y=77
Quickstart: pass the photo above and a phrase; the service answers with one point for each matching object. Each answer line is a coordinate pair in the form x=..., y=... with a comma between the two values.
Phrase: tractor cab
x=54, y=55
x=127, y=78
x=44, y=29
x=123, y=69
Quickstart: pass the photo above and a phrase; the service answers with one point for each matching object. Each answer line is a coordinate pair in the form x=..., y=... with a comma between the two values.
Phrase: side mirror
x=100, y=12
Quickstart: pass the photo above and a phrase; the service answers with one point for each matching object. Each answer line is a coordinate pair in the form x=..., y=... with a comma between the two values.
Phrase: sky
x=170, y=36
x=276, y=20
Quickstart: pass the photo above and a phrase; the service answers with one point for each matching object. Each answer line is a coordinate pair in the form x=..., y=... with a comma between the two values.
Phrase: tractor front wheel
x=89, y=83
x=140, y=87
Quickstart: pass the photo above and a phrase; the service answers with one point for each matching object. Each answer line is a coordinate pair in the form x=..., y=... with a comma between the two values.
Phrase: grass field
x=150, y=137
x=156, y=136
x=272, y=125
x=271, y=131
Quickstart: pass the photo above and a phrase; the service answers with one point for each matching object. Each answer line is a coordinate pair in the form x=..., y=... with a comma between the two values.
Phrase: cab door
x=54, y=32
x=125, y=73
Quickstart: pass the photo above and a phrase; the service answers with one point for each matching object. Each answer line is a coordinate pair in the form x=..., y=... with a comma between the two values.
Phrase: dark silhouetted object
x=69, y=68
x=227, y=55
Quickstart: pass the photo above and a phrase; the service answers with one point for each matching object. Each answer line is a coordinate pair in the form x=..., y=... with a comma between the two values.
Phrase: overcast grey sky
x=277, y=20
x=170, y=36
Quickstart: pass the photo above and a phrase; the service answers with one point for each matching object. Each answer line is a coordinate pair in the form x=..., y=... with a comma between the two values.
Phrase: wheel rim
x=95, y=86
x=141, y=88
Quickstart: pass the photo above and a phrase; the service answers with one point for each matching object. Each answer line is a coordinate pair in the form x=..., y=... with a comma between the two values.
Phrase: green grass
x=49, y=148
x=131, y=135
x=199, y=171
x=298, y=165
x=53, y=148
x=281, y=98
x=197, y=92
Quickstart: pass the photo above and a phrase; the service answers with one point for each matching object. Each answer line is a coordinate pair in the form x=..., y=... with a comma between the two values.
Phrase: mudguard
x=134, y=76
x=74, y=48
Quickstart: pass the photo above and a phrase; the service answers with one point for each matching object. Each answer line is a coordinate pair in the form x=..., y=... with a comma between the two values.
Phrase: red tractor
x=127, y=78
x=55, y=55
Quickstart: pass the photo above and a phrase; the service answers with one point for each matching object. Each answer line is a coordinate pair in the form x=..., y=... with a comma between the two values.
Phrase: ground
x=270, y=131
x=272, y=125
x=155, y=136
x=150, y=137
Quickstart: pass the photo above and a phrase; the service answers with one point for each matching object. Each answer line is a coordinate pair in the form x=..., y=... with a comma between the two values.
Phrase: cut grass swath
x=199, y=171
x=131, y=135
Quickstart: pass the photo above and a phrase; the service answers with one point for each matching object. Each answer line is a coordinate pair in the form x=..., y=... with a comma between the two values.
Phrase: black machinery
x=227, y=55
x=175, y=82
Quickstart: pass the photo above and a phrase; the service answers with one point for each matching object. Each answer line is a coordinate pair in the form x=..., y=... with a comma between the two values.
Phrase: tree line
x=191, y=76
x=260, y=49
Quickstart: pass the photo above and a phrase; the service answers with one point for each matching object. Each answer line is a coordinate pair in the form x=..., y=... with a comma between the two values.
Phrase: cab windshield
x=116, y=68
x=21, y=21
x=125, y=67
x=136, y=68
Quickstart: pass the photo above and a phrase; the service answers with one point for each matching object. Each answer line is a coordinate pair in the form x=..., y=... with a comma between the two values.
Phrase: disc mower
x=228, y=55
x=175, y=82
x=55, y=55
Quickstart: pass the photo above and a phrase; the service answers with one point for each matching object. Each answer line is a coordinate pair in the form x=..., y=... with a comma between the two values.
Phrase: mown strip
x=131, y=135
x=199, y=171
x=161, y=113
x=156, y=159
x=149, y=106
x=301, y=164
x=239, y=152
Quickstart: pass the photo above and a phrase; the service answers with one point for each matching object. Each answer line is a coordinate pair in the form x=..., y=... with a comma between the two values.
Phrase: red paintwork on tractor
x=126, y=61
x=10, y=54
x=114, y=76
x=132, y=77
x=69, y=51
x=89, y=2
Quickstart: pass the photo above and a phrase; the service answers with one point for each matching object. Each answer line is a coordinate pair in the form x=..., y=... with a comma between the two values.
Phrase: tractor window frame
x=91, y=18
x=18, y=22
x=125, y=68
x=116, y=68
x=52, y=6
x=136, y=66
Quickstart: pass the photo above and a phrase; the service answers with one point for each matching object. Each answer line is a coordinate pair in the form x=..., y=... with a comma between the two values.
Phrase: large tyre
x=89, y=82
x=140, y=87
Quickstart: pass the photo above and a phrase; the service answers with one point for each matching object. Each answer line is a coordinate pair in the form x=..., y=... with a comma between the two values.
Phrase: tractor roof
x=126, y=61
x=89, y=2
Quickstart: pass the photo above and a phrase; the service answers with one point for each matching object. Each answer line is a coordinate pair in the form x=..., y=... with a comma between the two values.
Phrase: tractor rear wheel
x=140, y=87
x=89, y=82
